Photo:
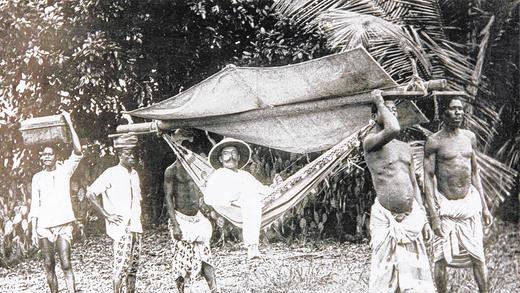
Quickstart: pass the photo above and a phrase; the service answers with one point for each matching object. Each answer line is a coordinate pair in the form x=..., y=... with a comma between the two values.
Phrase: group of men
x=52, y=216
x=398, y=225
x=454, y=197
x=119, y=187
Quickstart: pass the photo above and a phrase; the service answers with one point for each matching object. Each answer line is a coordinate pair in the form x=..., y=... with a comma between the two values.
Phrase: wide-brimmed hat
x=126, y=141
x=243, y=149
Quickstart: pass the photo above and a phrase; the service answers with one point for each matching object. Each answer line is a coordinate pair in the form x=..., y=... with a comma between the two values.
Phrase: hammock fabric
x=307, y=107
x=285, y=195
x=316, y=105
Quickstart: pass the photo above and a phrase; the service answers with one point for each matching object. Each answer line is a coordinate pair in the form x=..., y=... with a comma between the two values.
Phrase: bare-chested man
x=399, y=261
x=455, y=198
x=190, y=230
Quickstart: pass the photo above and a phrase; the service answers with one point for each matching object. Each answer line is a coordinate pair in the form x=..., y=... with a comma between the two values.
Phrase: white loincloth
x=64, y=231
x=399, y=261
x=461, y=222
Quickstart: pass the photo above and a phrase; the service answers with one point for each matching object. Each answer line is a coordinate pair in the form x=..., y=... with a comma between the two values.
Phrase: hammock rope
x=285, y=195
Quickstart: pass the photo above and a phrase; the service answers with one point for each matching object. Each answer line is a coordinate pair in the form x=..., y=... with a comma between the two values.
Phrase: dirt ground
x=323, y=266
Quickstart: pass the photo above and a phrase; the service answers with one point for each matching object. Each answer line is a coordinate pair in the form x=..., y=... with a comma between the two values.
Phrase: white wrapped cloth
x=461, y=222
x=399, y=261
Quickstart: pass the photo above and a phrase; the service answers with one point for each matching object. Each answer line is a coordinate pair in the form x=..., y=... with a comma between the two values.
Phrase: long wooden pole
x=284, y=110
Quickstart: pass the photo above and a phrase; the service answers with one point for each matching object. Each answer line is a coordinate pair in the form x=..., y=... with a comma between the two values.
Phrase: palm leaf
x=306, y=12
x=510, y=151
x=459, y=67
x=383, y=39
x=421, y=28
x=423, y=15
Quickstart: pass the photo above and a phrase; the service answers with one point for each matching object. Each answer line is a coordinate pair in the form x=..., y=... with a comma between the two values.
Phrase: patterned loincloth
x=64, y=231
x=461, y=222
x=126, y=256
x=399, y=261
x=193, y=249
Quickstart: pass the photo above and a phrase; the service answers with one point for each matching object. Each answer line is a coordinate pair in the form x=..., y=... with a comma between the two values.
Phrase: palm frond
x=477, y=73
x=423, y=15
x=391, y=57
x=368, y=22
x=459, y=67
x=306, y=12
x=498, y=180
x=347, y=30
x=482, y=128
x=510, y=151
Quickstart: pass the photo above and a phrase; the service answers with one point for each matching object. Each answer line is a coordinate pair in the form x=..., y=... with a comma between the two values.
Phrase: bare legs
x=129, y=280
x=481, y=275
x=479, y=270
x=441, y=278
x=130, y=283
x=49, y=263
x=209, y=274
x=180, y=284
x=49, y=249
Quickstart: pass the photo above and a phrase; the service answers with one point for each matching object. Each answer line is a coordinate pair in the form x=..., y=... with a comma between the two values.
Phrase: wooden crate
x=44, y=130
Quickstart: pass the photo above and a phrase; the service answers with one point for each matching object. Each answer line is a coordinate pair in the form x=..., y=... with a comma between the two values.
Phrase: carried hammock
x=316, y=105
x=283, y=196
x=307, y=107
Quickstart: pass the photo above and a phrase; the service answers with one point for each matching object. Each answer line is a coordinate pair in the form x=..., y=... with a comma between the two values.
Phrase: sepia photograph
x=251, y=146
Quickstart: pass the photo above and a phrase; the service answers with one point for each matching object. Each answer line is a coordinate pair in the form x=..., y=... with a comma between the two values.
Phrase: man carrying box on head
x=121, y=193
x=51, y=209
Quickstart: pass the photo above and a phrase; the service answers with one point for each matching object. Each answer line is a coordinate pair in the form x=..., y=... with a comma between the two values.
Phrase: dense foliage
x=96, y=59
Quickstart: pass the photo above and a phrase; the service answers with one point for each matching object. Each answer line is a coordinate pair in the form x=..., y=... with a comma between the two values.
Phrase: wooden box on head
x=45, y=130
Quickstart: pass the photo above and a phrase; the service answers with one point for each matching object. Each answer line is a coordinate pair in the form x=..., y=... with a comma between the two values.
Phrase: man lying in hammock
x=399, y=261
x=190, y=230
x=229, y=185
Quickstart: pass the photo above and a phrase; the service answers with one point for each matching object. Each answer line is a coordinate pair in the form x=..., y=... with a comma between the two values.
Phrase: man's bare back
x=453, y=161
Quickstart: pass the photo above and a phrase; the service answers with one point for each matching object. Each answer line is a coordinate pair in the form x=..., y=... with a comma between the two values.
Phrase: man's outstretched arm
x=76, y=144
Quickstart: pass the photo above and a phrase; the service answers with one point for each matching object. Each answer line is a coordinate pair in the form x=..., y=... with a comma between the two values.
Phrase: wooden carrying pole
x=435, y=86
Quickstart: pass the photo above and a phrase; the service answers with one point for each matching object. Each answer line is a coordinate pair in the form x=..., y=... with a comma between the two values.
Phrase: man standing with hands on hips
x=121, y=193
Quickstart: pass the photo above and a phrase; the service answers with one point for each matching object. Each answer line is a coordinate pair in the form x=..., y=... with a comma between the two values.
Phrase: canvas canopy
x=301, y=108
